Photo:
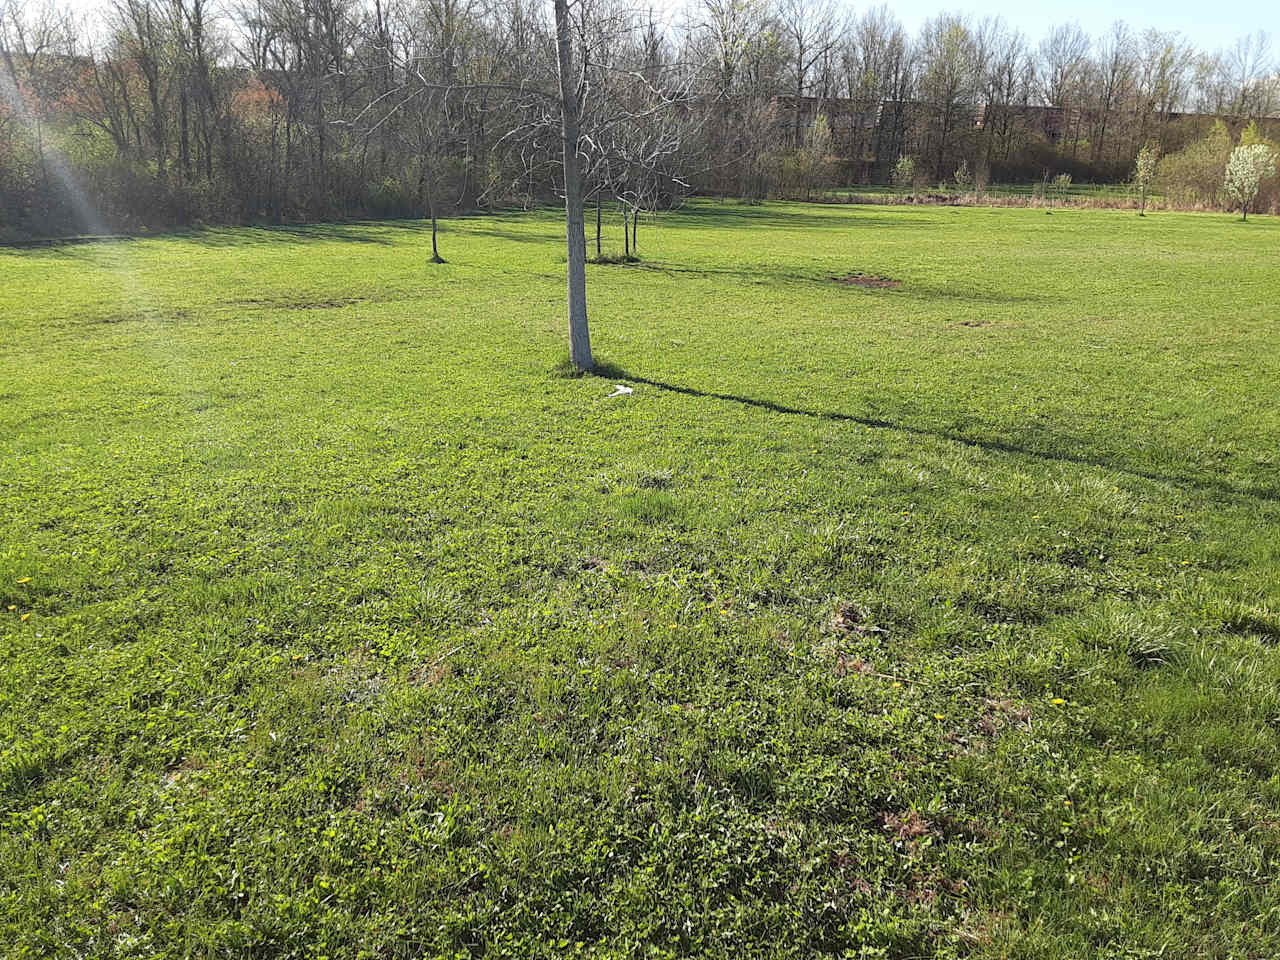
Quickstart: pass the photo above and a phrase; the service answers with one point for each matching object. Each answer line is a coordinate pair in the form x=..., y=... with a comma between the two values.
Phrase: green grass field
x=338, y=621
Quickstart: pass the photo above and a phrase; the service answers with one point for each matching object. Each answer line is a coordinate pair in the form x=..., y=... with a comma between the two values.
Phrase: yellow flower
x=939, y=716
x=26, y=617
x=1058, y=700
x=24, y=579
x=12, y=608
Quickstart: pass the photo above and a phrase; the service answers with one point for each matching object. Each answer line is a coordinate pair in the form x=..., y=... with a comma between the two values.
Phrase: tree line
x=175, y=112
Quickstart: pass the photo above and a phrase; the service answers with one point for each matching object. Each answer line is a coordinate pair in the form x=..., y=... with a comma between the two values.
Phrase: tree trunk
x=184, y=139
x=626, y=233
x=431, y=211
x=44, y=169
x=598, y=254
x=575, y=235
x=799, y=93
x=635, y=231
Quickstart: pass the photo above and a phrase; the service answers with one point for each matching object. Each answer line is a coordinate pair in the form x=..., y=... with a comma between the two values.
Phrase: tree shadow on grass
x=291, y=234
x=1204, y=484
x=795, y=216
x=761, y=273
x=511, y=235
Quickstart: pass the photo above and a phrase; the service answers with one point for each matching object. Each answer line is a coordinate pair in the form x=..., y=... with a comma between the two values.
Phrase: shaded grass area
x=931, y=621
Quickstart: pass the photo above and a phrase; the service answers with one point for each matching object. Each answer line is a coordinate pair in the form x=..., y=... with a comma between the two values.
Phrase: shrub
x=1193, y=175
x=904, y=172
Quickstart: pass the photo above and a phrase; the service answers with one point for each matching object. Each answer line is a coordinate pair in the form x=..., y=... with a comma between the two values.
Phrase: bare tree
x=1063, y=55
x=949, y=61
x=1006, y=89
x=812, y=30
x=1163, y=79
x=572, y=90
x=31, y=43
x=1251, y=69
x=229, y=110
x=1110, y=82
x=611, y=116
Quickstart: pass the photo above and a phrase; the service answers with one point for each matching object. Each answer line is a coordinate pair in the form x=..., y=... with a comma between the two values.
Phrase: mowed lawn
x=336, y=619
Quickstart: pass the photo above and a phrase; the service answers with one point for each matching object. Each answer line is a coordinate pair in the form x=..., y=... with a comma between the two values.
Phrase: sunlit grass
x=938, y=620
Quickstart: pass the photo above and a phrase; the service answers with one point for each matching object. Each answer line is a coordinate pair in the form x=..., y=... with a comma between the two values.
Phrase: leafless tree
x=949, y=71
x=812, y=29
x=233, y=110
x=1109, y=82
x=1251, y=71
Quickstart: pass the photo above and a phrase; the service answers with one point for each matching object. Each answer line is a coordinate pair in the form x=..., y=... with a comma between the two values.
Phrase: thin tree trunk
x=575, y=235
x=598, y=254
x=635, y=231
x=431, y=211
x=44, y=169
x=184, y=139
x=626, y=233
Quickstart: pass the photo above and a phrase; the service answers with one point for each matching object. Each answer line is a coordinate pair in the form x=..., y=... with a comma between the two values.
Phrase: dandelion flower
x=939, y=716
x=24, y=579
x=1058, y=700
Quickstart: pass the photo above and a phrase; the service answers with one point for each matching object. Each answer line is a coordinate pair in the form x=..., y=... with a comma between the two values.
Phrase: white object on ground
x=619, y=391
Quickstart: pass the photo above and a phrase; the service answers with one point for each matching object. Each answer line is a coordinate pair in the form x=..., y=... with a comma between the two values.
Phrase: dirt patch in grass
x=850, y=618
x=869, y=280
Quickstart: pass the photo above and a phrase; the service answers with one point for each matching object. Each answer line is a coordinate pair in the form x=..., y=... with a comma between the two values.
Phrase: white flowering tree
x=1144, y=172
x=1247, y=167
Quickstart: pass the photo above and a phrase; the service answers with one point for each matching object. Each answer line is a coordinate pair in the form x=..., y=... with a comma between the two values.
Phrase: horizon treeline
x=179, y=112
